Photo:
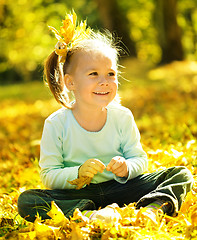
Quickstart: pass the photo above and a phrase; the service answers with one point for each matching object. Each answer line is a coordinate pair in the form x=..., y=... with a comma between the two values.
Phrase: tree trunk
x=169, y=33
x=115, y=20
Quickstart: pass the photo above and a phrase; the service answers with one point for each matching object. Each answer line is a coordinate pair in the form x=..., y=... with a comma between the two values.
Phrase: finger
x=118, y=171
x=111, y=163
x=89, y=174
x=121, y=172
x=114, y=165
x=98, y=168
x=98, y=165
x=92, y=170
x=101, y=164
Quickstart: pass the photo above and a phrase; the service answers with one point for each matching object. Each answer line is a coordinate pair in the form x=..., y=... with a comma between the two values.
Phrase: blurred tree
x=189, y=13
x=115, y=20
x=187, y=19
x=169, y=32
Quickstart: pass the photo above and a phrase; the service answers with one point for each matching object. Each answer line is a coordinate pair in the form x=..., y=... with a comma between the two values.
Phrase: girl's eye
x=93, y=74
x=111, y=74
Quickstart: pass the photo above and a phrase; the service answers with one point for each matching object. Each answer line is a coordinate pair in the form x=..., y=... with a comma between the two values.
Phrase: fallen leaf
x=44, y=231
x=58, y=217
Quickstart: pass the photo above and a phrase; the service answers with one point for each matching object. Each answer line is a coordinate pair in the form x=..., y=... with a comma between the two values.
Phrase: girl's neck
x=90, y=120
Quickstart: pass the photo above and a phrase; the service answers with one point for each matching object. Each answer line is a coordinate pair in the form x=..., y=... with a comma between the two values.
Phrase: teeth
x=101, y=93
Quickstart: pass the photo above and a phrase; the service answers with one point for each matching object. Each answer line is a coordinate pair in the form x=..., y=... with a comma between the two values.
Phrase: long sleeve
x=65, y=146
x=131, y=147
x=53, y=172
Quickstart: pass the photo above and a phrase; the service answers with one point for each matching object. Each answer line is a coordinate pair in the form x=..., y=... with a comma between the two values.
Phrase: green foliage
x=25, y=37
x=26, y=41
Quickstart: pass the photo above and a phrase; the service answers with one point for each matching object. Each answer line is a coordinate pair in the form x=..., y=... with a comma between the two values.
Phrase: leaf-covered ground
x=164, y=104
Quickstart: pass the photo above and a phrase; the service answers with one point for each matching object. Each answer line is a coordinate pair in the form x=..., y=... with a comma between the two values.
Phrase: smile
x=101, y=93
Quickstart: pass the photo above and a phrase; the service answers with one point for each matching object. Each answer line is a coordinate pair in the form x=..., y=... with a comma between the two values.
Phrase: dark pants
x=170, y=185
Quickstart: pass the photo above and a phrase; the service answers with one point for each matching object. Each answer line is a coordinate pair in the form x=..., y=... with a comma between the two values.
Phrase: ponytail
x=55, y=79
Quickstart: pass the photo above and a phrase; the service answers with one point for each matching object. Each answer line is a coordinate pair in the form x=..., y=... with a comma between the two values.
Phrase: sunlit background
x=152, y=30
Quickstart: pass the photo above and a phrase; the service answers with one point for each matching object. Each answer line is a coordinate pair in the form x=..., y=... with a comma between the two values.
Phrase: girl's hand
x=118, y=166
x=90, y=168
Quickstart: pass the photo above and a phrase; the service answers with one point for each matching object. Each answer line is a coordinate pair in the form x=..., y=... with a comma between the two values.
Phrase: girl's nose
x=103, y=81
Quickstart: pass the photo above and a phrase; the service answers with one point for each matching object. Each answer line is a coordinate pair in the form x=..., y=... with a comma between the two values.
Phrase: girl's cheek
x=115, y=84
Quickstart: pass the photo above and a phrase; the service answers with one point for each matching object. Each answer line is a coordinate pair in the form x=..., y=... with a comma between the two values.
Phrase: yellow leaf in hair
x=57, y=35
x=72, y=17
x=53, y=30
x=81, y=33
x=67, y=30
x=69, y=35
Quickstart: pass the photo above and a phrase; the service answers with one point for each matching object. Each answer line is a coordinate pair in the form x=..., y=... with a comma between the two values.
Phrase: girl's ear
x=69, y=82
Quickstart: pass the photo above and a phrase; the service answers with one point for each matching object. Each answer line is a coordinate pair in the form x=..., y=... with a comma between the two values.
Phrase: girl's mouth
x=101, y=93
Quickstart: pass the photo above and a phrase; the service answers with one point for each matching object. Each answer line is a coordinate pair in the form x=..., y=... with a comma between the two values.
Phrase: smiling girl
x=94, y=136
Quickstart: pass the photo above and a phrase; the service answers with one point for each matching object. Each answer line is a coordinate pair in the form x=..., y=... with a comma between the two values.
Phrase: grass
x=28, y=92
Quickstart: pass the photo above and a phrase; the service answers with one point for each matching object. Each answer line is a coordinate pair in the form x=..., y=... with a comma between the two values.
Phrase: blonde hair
x=54, y=70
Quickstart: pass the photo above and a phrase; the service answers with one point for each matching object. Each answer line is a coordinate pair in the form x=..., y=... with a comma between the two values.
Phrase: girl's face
x=93, y=79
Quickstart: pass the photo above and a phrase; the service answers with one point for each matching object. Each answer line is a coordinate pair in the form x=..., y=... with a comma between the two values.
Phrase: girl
x=95, y=137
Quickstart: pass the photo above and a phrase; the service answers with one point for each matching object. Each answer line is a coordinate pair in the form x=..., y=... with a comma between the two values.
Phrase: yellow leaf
x=194, y=217
x=58, y=217
x=77, y=233
x=80, y=182
x=67, y=30
x=77, y=215
x=27, y=236
x=44, y=231
x=69, y=34
x=114, y=230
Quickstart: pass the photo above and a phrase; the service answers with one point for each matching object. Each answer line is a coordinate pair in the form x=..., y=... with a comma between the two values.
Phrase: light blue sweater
x=65, y=146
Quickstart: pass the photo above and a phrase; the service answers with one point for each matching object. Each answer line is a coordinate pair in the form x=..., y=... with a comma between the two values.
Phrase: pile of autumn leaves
x=136, y=225
x=133, y=224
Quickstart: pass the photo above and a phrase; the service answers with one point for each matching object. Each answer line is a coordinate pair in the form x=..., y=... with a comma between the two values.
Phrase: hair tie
x=61, y=51
x=69, y=35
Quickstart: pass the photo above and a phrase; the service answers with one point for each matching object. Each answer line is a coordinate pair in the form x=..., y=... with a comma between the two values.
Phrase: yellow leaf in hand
x=80, y=182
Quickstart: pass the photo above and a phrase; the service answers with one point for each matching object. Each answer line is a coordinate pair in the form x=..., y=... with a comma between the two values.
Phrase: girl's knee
x=184, y=175
x=24, y=197
x=185, y=172
x=25, y=205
